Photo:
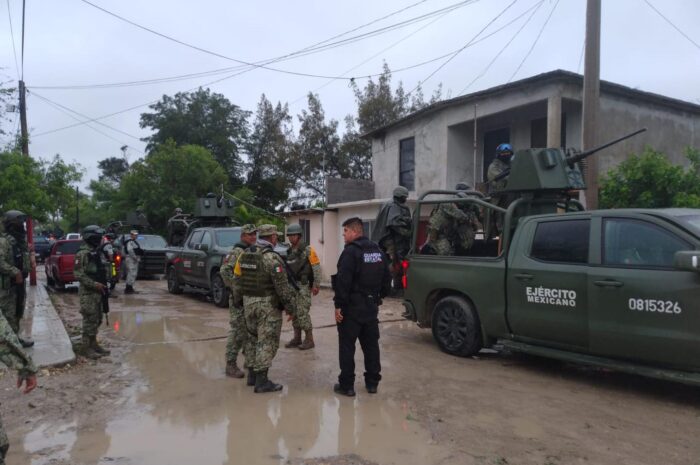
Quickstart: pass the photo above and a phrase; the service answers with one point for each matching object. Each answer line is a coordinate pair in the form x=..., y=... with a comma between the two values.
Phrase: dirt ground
x=162, y=398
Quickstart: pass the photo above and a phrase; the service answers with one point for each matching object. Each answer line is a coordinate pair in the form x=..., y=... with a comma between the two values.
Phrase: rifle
x=20, y=289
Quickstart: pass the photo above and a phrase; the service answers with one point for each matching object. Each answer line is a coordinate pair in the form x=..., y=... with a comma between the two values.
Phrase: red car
x=60, y=262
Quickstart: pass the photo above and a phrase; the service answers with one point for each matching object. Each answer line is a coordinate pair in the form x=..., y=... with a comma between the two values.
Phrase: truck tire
x=219, y=291
x=49, y=279
x=174, y=286
x=456, y=326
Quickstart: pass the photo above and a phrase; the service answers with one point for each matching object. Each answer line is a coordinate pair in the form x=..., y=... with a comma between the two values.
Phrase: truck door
x=546, y=283
x=200, y=260
x=642, y=308
x=189, y=258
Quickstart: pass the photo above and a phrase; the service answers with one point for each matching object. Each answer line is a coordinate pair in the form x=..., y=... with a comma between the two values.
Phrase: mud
x=162, y=398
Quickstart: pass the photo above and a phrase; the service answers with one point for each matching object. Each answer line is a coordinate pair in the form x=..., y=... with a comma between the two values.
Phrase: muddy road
x=162, y=398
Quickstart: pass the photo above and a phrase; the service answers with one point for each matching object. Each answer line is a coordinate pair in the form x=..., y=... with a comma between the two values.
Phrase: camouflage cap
x=267, y=230
x=133, y=231
x=249, y=229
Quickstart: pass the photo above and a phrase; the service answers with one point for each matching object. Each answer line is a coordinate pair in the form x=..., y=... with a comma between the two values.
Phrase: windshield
x=228, y=237
x=152, y=242
x=693, y=221
x=67, y=248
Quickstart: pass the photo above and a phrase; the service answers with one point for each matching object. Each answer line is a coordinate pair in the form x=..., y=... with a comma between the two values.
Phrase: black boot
x=346, y=391
x=129, y=289
x=251, y=377
x=26, y=343
x=262, y=384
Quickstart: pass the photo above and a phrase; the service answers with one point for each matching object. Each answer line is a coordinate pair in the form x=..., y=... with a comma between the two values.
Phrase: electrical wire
x=442, y=65
x=535, y=42
x=86, y=117
x=534, y=8
x=306, y=51
x=253, y=206
x=672, y=24
x=12, y=35
x=57, y=107
x=580, y=58
x=406, y=37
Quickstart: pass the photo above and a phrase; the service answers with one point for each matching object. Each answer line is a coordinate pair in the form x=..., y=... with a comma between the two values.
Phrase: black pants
x=367, y=331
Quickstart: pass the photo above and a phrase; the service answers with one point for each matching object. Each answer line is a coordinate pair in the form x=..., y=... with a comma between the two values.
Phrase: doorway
x=493, y=139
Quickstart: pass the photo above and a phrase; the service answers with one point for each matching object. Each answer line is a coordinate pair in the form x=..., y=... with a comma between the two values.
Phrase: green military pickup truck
x=197, y=262
x=612, y=288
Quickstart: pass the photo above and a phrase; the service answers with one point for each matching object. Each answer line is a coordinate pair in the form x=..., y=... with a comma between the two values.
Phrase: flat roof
x=558, y=76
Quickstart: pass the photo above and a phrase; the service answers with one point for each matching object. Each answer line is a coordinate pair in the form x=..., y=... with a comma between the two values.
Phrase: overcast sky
x=70, y=43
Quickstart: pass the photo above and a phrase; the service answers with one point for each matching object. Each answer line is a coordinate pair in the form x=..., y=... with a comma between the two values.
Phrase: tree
x=269, y=148
x=59, y=179
x=169, y=176
x=113, y=169
x=7, y=94
x=21, y=188
x=650, y=180
x=201, y=118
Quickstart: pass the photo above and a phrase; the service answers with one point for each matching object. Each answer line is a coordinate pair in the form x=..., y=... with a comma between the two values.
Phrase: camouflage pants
x=264, y=324
x=302, y=319
x=91, y=310
x=4, y=443
x=132, y=270
x=463, y=242
x=8, y=306
x=237, y=334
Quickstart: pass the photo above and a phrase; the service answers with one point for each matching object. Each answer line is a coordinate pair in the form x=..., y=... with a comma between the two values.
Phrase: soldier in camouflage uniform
x=14, y=269
x=305, y=266
x=91, y=275
x=237, y=334
x=392, y=231
x=451, y=228
x=266, y=292
x=12, y=355
x=504, y=154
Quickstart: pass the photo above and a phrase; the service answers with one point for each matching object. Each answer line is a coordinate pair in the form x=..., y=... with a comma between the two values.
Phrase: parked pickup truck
x=612, y=288
x=60, y=262
x=197, y=262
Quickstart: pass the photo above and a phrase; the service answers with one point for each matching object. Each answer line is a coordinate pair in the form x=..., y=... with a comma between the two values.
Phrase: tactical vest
x=370, y=272
x=299, y=264
x=95, y=269
x=253, y=280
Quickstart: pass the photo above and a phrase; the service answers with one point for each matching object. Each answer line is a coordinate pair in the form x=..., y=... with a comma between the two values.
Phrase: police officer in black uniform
x=363, y=279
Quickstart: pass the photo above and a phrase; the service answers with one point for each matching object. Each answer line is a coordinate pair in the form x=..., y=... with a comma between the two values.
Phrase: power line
x=254, y=206
x=672, y=25
x=406, y=37
x=534, y=9
x=442, y=65
x=58, y=107
x=580, y=58
x=534, y=42
x=24, y=4
x=86, y=117
x=12, y=35
x=308, y=50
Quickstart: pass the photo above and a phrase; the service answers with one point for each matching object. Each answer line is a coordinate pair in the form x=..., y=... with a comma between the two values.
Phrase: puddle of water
x=183, y=411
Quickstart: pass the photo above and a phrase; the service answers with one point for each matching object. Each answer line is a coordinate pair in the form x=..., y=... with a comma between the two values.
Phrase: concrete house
x=455, y=140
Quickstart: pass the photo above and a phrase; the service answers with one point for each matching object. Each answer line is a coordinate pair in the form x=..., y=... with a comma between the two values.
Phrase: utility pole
x=25, y=151
x=591, y=99
x=77, y=209
x=474, y=150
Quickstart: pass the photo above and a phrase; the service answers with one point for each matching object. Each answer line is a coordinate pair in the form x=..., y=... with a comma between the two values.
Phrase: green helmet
x=13, y=222
x=400, y=191
x=93, y=234
x=294, y=229
x=462, y=186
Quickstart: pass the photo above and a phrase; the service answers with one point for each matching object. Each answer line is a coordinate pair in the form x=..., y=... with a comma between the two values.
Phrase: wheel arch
x=437, y=294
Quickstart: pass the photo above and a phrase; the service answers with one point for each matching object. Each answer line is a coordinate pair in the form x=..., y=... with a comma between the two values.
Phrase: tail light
x=404, y=274
x=118, y=258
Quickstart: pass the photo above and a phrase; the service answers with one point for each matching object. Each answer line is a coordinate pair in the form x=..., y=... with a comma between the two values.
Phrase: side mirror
x=687, y=260
x=203, y=247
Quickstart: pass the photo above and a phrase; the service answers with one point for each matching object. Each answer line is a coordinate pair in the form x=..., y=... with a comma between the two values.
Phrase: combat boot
x=129, y=289
x=88, y=351
x=251, y=377
x=98, y=348
x=262, y=384
x=233, y=371
x=308, y=341
x=296, y=340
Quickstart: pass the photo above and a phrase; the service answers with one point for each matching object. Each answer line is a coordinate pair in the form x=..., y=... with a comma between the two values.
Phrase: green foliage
x=201, y=118
x=269, y=148
x=245, y=212
x=21, y=188
x=113, y=170
x=650, y=180
x=58, y=183
x=170, y=176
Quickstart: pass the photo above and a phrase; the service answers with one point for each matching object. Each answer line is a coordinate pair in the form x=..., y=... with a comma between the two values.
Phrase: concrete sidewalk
x=52, y=346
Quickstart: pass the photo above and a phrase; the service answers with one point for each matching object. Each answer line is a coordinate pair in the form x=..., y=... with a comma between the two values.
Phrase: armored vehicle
x=611, y=288
x=208, y=211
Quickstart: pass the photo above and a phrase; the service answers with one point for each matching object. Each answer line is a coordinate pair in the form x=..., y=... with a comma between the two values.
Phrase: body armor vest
x=95, y=268
x=299, y=265
x=254, y=281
